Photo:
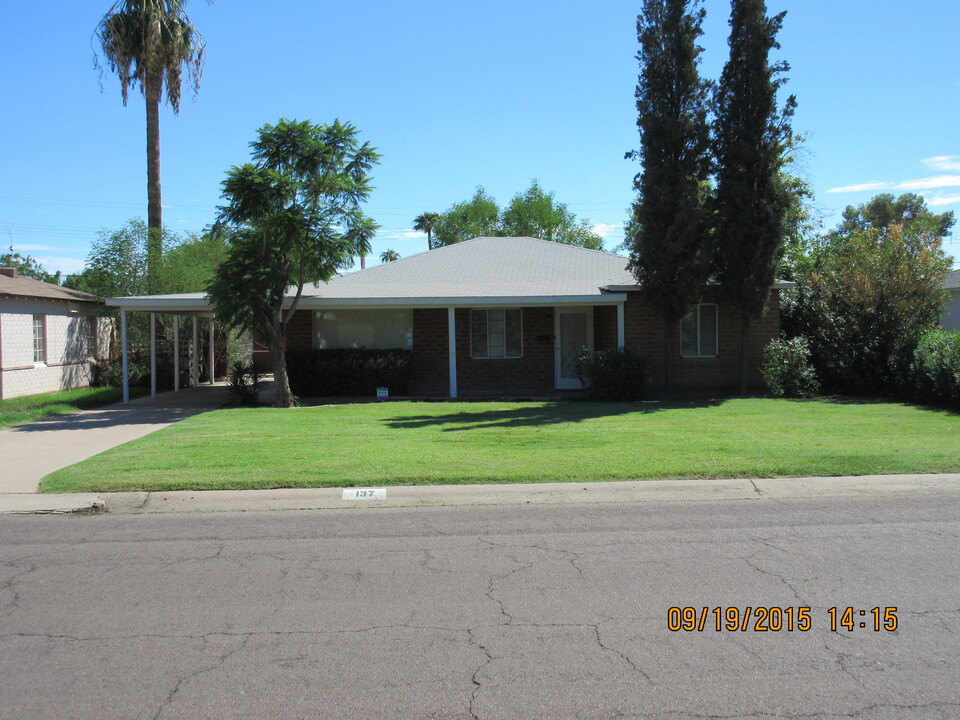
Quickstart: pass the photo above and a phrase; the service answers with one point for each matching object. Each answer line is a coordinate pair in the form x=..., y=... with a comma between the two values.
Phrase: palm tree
x=425, y=223
x=149, y=43
x=389, y=256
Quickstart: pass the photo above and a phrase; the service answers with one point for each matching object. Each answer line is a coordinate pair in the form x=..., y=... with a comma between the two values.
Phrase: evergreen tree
x=752, y=136
x=670, y=246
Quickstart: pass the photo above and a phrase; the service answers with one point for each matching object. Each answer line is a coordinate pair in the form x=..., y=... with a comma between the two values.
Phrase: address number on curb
x=365, y=494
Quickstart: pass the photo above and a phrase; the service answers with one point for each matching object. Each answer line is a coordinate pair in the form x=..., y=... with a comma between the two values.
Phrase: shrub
x=108, y=374
x=348, y=371
x=935, y=370
x=787, y=368
x=615, y=374
x=245, y=381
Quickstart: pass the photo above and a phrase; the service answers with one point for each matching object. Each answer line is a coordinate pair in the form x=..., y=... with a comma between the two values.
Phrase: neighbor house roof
x=952, y=281
x=15, y=285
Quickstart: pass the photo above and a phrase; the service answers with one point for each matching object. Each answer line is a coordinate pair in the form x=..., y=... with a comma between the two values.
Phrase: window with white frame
x=698, y=332
x=496, y=333
x=90, y=329
x=39, y=338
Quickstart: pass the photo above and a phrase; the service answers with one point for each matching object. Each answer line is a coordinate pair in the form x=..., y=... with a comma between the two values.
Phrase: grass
x=449, y=443
x=30, y=408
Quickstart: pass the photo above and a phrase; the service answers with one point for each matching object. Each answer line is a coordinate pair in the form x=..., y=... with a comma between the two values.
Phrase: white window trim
x=43, y=326
x=90, y=323
x=716, y=331
x=474, y=356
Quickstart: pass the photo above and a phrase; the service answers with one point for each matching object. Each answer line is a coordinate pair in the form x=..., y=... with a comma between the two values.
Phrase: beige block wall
x=66, y=365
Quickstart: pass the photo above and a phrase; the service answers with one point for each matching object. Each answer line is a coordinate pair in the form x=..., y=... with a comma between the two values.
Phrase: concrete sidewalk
x=29, y=452
x=435, y=495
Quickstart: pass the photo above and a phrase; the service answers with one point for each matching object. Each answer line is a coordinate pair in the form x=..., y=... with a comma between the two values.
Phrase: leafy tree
x=425, y=222
x=28, y=267
x=668, y=235
x=294, y=217
x=532, y=213
x=477, y=217
x=190, y=263
x=868, y=291
x=389, y=256
x=752, y=138
x=116, y=264
x=149, y=43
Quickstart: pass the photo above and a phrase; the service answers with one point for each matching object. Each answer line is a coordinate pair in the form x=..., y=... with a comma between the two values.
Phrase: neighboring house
x=950, y=319
x=508, y=315
x=49, y=336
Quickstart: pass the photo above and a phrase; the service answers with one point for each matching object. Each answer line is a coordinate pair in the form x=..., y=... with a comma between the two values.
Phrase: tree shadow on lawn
x=539, y=414
x=858, y=400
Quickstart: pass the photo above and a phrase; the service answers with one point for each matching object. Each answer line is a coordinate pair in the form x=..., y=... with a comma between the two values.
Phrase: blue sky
x=454, y=95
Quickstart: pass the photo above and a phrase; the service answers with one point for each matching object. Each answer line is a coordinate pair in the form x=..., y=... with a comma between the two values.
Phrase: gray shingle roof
x=953, y=280
x=496, y=267
x=24, y=287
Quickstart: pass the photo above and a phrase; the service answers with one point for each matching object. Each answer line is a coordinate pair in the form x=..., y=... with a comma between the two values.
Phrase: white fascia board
x=307, y=303
x=182, y=306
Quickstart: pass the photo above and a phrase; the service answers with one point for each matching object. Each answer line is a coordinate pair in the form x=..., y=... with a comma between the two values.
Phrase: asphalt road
x=531, y=611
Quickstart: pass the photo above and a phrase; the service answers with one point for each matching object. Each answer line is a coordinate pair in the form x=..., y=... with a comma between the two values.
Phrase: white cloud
x=68, y=266
x=940, y=181
x=404, y=236
x=22, y=246
x=943, y=200
x=606, y=229
x=944, y=163
x=862, y=187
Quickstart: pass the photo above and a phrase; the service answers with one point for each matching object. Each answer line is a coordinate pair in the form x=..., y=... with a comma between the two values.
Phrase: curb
x=206, y=501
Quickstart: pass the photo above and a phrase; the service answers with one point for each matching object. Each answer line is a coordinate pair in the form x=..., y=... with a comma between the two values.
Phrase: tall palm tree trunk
x=152, y=90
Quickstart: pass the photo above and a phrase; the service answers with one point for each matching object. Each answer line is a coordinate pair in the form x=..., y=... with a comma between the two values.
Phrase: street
x=520, y=611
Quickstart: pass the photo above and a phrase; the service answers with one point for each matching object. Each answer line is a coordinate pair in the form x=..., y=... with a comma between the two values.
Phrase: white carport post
x=153, y=355
x=621, y=334
x=176, y=353
x=194, y=357
x=210, y=353
x=452, y=342
x=123, y=355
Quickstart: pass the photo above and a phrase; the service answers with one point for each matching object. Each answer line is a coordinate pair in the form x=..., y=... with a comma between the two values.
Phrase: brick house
x=49, y=336
x=508, y=316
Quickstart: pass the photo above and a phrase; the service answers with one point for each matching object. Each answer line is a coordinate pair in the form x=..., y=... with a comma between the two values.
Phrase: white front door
x=573, y=332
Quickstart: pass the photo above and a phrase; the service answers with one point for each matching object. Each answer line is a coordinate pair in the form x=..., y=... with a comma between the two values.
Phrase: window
x=372, y=329
x=698, y=332
x=90, y=327
x=496, y=333
x=39, y=338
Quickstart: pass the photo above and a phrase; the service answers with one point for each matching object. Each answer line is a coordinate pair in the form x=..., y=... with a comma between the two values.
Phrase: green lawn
x=438, y=443
x=31, y=408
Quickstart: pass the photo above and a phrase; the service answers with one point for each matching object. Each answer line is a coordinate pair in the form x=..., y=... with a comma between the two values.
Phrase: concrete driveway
x=31, y=451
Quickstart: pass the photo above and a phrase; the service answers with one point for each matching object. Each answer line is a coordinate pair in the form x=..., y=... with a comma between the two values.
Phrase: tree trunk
x=284, y=398
x=152, y=90
x=668, y=358
x=744, y=352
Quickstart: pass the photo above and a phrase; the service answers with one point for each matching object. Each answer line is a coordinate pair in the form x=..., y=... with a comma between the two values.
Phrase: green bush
x=348, y=371
x=935, y=370
x=107, y=374
x=615, y=374
x=787, y=368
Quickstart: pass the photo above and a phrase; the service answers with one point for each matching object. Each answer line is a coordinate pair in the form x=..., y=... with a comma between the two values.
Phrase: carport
x=191, y=305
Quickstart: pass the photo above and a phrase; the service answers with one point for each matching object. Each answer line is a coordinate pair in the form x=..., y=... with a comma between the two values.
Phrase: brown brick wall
x=431, y=366
x=604, y=327
x=721, y=374
x=300, y=331
x=532, y=372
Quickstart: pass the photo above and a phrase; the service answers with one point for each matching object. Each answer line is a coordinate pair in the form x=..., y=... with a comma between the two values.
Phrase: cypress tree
x=670, y=247
x=751, y=142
